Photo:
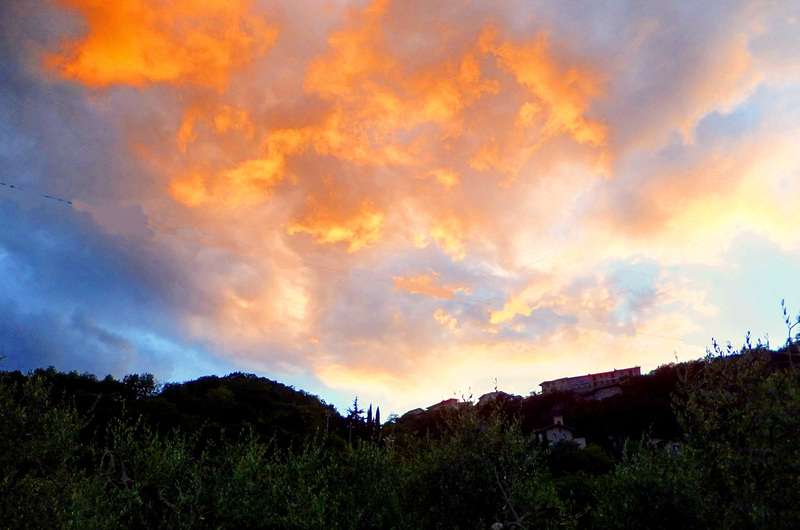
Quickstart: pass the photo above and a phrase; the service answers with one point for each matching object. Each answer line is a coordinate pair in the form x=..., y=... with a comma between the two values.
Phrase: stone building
x=597, y=386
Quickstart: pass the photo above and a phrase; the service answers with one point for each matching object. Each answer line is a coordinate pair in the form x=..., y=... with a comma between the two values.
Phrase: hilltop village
x=569, y=409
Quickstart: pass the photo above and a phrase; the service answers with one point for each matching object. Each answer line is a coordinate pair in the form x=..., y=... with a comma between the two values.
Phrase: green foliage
x=650, y=489
x=481, y=470
x=741, y=416
x=566, y=458
x=241, y=403
x=152, y=481
x=738, y=464
x=41, y=481
x=246, y=452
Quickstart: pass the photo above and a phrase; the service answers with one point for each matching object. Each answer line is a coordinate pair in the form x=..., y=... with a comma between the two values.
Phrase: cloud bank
x=399, y=200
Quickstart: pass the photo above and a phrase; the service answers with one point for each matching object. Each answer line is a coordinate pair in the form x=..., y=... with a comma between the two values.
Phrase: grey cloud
x=540, y=325
x=46, y=338
x=116, y=219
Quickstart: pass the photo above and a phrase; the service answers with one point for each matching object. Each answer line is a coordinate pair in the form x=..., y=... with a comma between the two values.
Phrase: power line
x=34, y=192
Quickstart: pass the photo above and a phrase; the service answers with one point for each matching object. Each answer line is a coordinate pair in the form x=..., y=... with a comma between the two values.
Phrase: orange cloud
x=449, y=233
x=359, y=229
x=423, y=284
x=186, y=133
x=690, y=211
x=138, y=42
x=248, y=183
x=380, y=103
x=190, y=191
x=355, y=54
x=446, y=177
x=564, y=94
x=379, y=108
x=445, y=320
x=377, y=381
x=274, y=309
x=515, y=306
x=222, y=119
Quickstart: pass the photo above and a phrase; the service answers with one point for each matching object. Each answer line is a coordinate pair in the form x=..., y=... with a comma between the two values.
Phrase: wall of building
x=590, y=382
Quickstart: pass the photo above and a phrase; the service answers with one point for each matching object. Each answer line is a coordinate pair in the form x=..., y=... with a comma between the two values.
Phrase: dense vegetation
x=245, y=452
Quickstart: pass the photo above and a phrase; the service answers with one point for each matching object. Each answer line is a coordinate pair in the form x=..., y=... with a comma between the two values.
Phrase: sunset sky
x=401, y=200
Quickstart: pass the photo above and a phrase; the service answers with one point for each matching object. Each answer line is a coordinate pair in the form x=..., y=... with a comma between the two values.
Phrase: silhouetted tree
x=354, y=419
x=139, y=386
x=376, y=426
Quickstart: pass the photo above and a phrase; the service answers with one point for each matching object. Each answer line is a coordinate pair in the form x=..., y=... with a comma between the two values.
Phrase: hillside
x=245, y=452
x=643, y=407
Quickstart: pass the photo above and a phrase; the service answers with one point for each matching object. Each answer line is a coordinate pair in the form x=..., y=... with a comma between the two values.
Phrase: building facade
x=558, y=432
x=600, y=385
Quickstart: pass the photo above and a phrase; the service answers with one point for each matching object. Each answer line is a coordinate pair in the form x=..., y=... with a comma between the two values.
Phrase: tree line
x=245, y=452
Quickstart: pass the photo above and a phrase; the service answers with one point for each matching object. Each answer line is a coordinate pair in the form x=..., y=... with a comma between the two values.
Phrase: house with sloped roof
x=558, y=432
x=447, y=404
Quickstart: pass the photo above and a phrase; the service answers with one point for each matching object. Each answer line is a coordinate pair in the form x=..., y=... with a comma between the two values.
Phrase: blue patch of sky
x=632, y=285
x=174, y=362
x=747, y=291
x=741, y=123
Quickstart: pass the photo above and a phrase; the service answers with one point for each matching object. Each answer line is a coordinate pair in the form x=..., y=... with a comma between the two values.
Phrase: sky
x=403, y=201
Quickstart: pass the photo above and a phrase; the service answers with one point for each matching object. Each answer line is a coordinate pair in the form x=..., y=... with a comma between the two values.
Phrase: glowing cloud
x=512, y=308
x=296, y=171
x=223, y=119
x=249, y=183
x=423, y=284
x=565, y=95
x=137, y=42
x=358, y=229
x=449, y=233
x=445, y=320
x=446, y=177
